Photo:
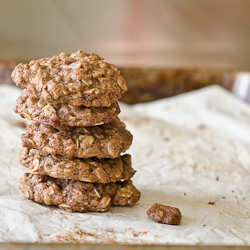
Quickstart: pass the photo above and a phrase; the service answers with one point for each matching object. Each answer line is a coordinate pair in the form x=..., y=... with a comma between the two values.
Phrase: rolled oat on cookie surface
x=59, y=115
x=88, y=170
x=78, y=79
x=78, y=196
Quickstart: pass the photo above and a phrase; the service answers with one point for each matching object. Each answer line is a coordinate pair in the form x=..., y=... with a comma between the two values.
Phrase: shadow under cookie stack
x=74, y=143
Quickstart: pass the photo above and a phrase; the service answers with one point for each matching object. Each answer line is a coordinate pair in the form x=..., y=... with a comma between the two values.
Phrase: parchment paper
x=188, y=151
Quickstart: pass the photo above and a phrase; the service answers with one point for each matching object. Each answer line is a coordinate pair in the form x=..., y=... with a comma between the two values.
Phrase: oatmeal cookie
x=78, y=196
x=58, y=115
x=105, y=141
x=78, y=79
x=88, y=170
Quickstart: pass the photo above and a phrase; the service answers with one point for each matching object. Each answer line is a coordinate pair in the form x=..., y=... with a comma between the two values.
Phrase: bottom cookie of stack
x=78, y=196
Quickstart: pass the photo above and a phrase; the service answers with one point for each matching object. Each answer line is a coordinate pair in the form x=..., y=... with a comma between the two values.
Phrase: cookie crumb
x=201, y=126
x=211, y=203
x=20, y=124
x=164, y=214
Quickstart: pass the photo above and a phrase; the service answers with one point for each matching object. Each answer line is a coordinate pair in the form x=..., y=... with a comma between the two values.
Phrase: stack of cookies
x=74, y=143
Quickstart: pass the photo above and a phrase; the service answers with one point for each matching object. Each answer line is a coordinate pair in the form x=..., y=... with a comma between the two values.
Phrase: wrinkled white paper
x=188, y=151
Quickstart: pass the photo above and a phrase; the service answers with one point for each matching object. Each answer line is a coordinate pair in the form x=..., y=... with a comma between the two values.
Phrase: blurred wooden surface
x=148, y=84
x=154, y=33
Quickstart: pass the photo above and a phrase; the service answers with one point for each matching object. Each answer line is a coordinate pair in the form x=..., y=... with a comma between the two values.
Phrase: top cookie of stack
x=79, y=89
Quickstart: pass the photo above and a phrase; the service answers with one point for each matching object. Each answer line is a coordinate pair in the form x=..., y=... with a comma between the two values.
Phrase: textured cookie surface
x=77, y=79
x=105, y=141
x=59, y=115
x=78, y=196
x=88, y=170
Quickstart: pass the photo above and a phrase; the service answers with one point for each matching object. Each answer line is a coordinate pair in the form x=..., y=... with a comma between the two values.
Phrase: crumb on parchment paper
x=164, y=214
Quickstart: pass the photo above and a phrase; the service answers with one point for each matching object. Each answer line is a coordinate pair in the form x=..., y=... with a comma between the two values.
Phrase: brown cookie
x=77, y=79
x=105, y=141
x=88, y=170
x=58, y=115
x=78, y=196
